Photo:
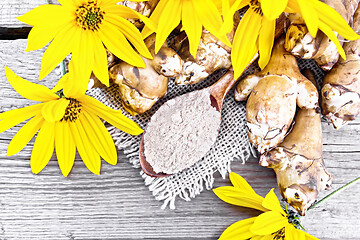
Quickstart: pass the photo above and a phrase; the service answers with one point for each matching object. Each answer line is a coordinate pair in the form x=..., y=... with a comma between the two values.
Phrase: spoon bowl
x=217, y=92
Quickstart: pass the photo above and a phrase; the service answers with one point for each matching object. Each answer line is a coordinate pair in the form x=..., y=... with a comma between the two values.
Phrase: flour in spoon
x=181, y=132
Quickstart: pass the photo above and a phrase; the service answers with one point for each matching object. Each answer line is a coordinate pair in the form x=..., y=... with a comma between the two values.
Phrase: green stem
x=331, y=194
x=48, y=2
x=62, y=66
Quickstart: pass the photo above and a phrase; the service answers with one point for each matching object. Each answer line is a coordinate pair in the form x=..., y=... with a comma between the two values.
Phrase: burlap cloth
x=232, y=143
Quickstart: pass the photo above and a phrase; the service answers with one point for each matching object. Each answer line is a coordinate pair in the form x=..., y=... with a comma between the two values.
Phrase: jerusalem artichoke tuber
x=274, y=93
x=145, y=8
x=300, y=43
x=140, y=88
x=340, y=93
x=298, y=162
x=211, y=55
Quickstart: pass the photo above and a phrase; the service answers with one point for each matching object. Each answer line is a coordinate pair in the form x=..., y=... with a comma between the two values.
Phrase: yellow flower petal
x=100, y=64
x=169, y=19
x=271, y=202
x=264, y=237
x=60, y=84
x=28, y=89
x=331, y=35
x=59, y=48
x=48, y=14
x=47, y=21
x=268, y=223
x=86, y=151
x=74, y=85
x=310, y=16
x=334, y=20
x=83, y=61
x=266, y=41
x=240, y=197
x=211, y=19
x=114, y=117
x=244, y=44
x=43, y=147
x=39, y=36
x=238, y=230
x=155, y=16
x=229, y=14
x=131, y=33
x=116, y=43
x=64, y=147
x=14, y=117
x=54, y=110
x=239, y=182
x=99, y=137
x=126, y=13
x=290, y=233
x=223, y=5
x=24, y=135
x=192, y=26
x=273, y=8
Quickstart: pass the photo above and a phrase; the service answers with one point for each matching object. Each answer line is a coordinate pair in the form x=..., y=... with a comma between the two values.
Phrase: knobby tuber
x=211, y=55
x=140, y=88
x=300, y=43
x=298, y=162
x=274, y=93
x=340, y=93
x=145, y=8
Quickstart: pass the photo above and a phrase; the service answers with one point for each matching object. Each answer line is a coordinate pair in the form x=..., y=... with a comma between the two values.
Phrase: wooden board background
x=117, y=205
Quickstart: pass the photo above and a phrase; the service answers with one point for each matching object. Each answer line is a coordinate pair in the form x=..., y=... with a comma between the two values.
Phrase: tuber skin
x=298, y=162
x=340, y=94
x=300, y=43
x=274, y=93
x=111, y=59
x=145, y=8
x=166, y=62
x=139, y=88
x=211, y=55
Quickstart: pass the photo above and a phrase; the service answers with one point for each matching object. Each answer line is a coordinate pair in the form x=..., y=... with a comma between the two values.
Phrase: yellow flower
x=274, y=223
x=193, y=14
x=255, y=33
x=83, y=28
x=64, y=124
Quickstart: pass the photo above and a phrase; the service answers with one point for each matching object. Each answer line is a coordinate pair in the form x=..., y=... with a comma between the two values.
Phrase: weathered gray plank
x=117, y=205
x=10, y=9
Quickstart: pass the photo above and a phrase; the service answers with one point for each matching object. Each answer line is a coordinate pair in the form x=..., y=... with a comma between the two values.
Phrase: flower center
x=256, y=7
x=89, y=16
x=279, y=235
x=72, y=111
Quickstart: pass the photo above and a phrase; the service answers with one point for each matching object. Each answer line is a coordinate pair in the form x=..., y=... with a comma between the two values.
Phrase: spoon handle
x=219, y=89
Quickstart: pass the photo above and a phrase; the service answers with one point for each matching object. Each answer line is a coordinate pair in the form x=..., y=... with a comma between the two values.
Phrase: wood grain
x=117, y=205
x=10, y=10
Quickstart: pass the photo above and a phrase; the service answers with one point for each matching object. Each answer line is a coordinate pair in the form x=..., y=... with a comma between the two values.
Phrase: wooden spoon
x=217, y=92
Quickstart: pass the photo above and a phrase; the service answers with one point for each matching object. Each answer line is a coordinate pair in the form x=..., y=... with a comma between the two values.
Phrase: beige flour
x=181, y=132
